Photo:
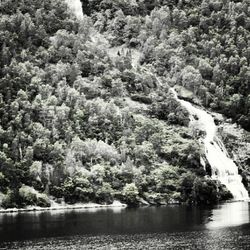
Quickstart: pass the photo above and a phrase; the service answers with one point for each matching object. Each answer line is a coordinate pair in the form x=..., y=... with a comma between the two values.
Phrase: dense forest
x=85, y=108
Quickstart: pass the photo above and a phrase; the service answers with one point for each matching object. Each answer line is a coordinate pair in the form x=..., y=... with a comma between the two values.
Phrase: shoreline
x=54, y=207
x=85, y=206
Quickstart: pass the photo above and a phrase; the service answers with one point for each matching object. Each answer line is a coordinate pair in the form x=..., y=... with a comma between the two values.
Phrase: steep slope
x=222, y=167
x=82, y=120
x=202, y=45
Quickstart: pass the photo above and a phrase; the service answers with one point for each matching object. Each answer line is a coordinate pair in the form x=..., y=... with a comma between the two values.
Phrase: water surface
x=225, y=226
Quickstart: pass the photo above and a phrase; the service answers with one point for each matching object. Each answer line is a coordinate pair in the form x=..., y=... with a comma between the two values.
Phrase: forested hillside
x=202, y=45
x=86, y=112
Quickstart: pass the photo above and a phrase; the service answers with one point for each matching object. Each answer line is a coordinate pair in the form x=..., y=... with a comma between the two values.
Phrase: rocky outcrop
x=237, y=142
x=187, y=95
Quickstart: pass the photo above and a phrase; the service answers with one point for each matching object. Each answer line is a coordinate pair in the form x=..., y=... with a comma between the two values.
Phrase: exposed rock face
x=187, y=95
x=237, y=141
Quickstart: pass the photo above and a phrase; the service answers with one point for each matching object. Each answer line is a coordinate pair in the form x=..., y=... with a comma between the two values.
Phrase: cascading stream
x=223, y=168
x=76, y=8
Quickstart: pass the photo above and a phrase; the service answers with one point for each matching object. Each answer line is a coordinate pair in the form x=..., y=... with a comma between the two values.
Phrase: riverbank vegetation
x=83, y=120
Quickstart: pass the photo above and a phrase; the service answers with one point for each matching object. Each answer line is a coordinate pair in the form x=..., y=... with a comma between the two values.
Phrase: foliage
x=85, y=108
x=130, y=193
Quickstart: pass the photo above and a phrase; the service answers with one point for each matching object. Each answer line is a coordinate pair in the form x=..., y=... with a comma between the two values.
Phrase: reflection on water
x=162, y=227
x=229, y=215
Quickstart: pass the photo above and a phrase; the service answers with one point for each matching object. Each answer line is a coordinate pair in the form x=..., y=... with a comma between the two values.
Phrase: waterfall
x=76, y=8
x=223, y=168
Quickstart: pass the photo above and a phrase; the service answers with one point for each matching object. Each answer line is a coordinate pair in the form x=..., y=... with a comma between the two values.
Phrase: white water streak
x=76, y=7
x=223, y=168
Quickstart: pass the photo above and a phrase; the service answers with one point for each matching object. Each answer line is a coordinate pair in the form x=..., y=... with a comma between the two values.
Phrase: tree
x=186, y=184
x=205, y=69
x=205, y=191
x=191, y=78
x=130, y=194
x=104, y=194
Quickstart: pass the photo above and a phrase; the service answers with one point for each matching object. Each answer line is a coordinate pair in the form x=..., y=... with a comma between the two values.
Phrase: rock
x=217, y=121
x=142, y=99
x=187, y=95
x=196, y=117
x=186, y=135
x=173, y=201
x=143, y=202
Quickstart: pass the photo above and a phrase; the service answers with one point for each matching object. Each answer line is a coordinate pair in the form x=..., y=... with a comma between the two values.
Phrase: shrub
x=28, y=195
x=9, y=200
x=130, y=194
x=43, y=201
x=205, y=191
x=3, y=183
x=225, y=194
x=105, y=194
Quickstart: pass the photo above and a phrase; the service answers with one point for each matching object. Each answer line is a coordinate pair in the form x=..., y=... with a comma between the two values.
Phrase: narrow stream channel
x=223, y=168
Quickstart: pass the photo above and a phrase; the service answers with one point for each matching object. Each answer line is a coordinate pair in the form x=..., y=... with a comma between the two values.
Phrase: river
x=225, y=226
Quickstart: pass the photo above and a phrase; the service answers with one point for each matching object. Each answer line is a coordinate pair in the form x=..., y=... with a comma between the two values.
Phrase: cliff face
x=86, y=112
x=237, y=142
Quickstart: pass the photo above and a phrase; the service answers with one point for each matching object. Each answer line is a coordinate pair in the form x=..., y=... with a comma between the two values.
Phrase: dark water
x=225, y=226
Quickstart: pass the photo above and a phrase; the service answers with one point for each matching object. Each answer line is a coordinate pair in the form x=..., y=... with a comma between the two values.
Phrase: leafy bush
x=9, y=200
x=104, y=194
x=131, y=194
x=43, y=201
x=29, y=196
